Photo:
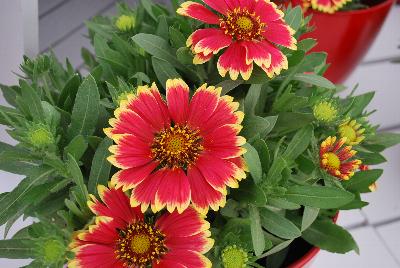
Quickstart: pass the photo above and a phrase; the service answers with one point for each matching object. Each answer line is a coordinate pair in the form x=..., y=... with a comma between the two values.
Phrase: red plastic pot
x=346, y=36
x=310, y=255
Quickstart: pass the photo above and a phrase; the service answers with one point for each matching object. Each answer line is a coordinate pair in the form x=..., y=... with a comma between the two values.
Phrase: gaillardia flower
x=250, y=30
x=125, y=23
x=122, y=237
x=328, y=6
x=336, y=159
x=325, y=111
x=352, y=131
x=180, y=151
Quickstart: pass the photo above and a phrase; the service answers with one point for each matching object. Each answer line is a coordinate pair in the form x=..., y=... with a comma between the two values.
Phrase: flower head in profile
x=338, y=160
x=249, y=30
x=352, y=131
x=123, y=237
x=179, y=151
x=328, y=6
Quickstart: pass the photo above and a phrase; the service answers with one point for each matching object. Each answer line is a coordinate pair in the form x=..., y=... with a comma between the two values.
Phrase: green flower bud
x=125, y=23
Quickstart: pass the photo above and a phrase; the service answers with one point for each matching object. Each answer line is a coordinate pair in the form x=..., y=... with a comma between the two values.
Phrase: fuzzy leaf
x=16, y=249
x=100, y=171
x=257, y=234
x=163, y=70
x=31, y=97
x=77, y=147
x=278, y=225
x=253, y=162
x=310, y=214
x=362, y=180
x=315, y=80
x=299, y=143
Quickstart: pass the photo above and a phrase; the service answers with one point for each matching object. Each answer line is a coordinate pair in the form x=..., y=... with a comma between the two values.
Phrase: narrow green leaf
x=329, y=236
x=177, y=38
x=252, y=98
x=253, y=125
x=278, y=225
x=359, y=103
x=294, y=18
x=77, y=147
x=385, y=139
x=299, y=143
x=163, y=70
x=310, y=214
x=315, y=80
x=100, y=171
x=31, y=97
x=274, y=173
x=318, y=196
x=362, y=180
x=253, y=162
x=277, y=248
x=77, y=178
x=228, y=85
x=263, y=153
x=86, y=109
x=69, y=90
x=16, y=249
x=249, y=193
x=257, y=234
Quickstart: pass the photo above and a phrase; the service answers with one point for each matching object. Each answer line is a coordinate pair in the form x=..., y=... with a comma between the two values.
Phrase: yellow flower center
x=325, y=111
x=348, y=132
x=40, y=137
x=243, y=25
x=139, y=244
x=333, y=161
x=177, y=147
x=234, y=257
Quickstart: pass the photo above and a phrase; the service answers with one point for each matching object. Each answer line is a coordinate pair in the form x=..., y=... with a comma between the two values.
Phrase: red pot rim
x=310, y=254
x=353, y=12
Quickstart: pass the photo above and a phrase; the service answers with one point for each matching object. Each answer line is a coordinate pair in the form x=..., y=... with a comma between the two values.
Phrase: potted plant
x=157, y=158
x=345, y=30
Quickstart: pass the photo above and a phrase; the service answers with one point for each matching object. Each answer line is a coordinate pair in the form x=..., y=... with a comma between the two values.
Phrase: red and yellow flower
x=328, y=6
x=352, y=131
x=122, y=237
x=250, y=30
x=338, y=160
x=180, y=151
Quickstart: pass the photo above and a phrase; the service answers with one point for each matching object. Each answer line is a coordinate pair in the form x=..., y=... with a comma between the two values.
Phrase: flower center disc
x=139, y=245
x=243, y=25
x=333, y=161
x=177, y=147
x=348, y=132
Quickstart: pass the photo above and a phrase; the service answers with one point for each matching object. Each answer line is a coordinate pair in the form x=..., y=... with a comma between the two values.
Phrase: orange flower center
x=139, y=245
x=177, y=147
x=243, y=25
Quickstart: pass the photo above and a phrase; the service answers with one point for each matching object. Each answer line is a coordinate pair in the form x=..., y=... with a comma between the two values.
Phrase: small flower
x=177, y=152
x=335, y=159
x=250, y=30
x=374, y=185
x=328, y=6
x=125, y=23
x=40, y=136
x=123, y=237
x=352, y=131
x=234, y=257
x=325, y=111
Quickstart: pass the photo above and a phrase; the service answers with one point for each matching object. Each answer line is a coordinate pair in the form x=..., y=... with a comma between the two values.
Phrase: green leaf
x=148, y=6
x=315, y=80
x=277, y=248
x=306, y=44
x=313, y=61
x=69, y=90
x=257, y=234
x=228, y=85
x=163, y=70
x=294, y=18
x=299, y=143
x=11, y=203
x=11, y=113
x=288, y=122
x=371, y=158
x=253, y=162
x=254, y=125
x=16, y=249
x=162, y=27
x=252, y=98
x=329, y=236
x=359, y=103
x=86, y=109
x=31, y=97
x=100, y=171
x=278, y=225
x=184, y=55
x=77, y=178
x=282, y=203
x=318, y=196
x=274, y=173
x=77, y=147
x=362, y=180
x=310, y=214
x=263, y=153
x=249, y=193
x=385, y=139
x=177, y=38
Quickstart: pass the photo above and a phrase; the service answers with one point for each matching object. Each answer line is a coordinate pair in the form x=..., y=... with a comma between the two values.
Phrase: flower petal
x=197, y=11
x=234, y=61
x=94, y=256
x=202, y=105
x=218, y=5
x=187, y=224
x=200, y=58
x=210, y=40
x=255, y=51
x=173, y=191
x=278, y=61
x=280, y=33
x=144, y=193
x=268, y=11
x=203, y=195
x=131, y=177
x=178, y=100
x=189, y=258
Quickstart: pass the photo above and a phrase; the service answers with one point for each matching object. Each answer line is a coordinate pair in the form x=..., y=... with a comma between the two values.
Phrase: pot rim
x=382, y=5
x=306, y=258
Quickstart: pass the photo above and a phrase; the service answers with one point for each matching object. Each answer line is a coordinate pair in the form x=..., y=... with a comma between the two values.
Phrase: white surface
x=30, y=27
x=390, y=234
x=373, y=253
x=351, y=218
